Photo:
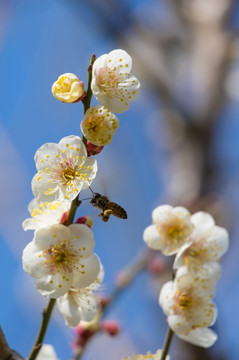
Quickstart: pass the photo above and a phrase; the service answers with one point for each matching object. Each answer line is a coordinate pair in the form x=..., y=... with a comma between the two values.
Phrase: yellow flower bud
x=68, y=88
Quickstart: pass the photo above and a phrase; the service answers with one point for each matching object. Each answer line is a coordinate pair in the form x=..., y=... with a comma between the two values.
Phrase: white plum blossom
x=99, y=125
x=188, y=305
x=68, y=88
x=208, y=243
x=45, y=214
x=148, y=356
x=80, y=304
x=60, y=257
x=170, y=230
x=47, y=352
x=112, y=84
x=63, y=170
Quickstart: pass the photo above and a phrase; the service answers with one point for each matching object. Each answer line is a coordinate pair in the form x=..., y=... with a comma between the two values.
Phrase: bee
x=108, y=207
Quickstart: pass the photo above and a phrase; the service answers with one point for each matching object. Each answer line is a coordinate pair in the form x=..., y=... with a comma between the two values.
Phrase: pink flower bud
x=82, y=335
x=111, y=327
x=93, y=149
x=156, y=265
x=86, y=219
x=64, y=217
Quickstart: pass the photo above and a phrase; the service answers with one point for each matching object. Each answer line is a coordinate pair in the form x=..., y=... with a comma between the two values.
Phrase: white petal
x=204, y=280
x=45, y=154
x=160, y=212
x=202, y=220
x=203, y=337
x=178, y=259
x=114, y=57
x=166, y=297
x=33, y=262
x=33, y=204
x=53, y=286
x=45, y=238
x=178, y=324
x=41, y=188
x=220, y=236
x=152, y=238
x=29, y=224
x=69, y=309
x=83, y=238
x=73, y=141
x=99, y=63
x=182, y=213
x=88, y=274
x=92, y=163
x=47, y=352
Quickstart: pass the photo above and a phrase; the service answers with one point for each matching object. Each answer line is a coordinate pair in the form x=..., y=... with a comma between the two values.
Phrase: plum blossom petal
x=44, y=214
x=63, y=170
x=47, y=352
x=59, y=257
x=80, y=304
x=112, y=84
x=187, y=303
x=68, y=88
x=203, y=337
x=208, y=243
x=170, y=230
x=99, y=125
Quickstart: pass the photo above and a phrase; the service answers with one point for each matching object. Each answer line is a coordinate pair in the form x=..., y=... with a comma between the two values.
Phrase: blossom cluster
x=112, y=85
x=199, y=245
x=60, y=257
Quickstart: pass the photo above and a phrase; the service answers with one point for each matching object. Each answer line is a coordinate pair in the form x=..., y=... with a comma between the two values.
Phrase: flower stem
x=73, y=208
x=42, y=331
x=74, y=204
x=167, y=344
x=88, y=97
x=87, y=100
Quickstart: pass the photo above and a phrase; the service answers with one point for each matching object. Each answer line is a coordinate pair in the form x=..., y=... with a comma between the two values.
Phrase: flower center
x=183, y=300
x=175, y=232
x=91, y=125
x=68, y=174
x=64, y=84
x=61, y=257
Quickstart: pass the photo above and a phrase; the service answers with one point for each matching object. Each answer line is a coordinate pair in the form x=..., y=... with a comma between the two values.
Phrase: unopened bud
x=111, y=327
x=82, y=335
x=64, y=217
x=93, y=149
x=68, y=88
x=86, y=219
x=156, y=265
